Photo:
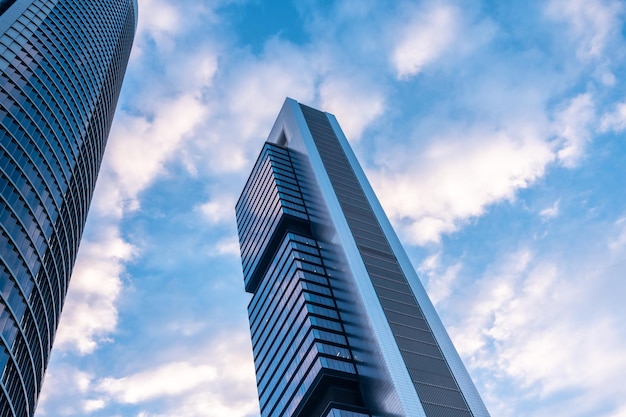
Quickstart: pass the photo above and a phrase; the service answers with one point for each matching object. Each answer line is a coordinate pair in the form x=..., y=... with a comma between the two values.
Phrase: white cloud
x=216, y=380
x=144, y=414
x=573, y=126
x=164, y=110
x=440, y=278
x=159, y=21
x=619, y=413
x=158, y=16
x=90, y=406
x=591, y=23
x=432, y=33
x=225, y=247
x=63, y=382
x=260, y=86
x=425, y=38
x=165, y=380
x=244, y=105
x=220, y=209
x=545, y=346
x=211, y=404
x=550, y=212
x=451, y=176
x=90, y=312
x=616, y=120
x=470, y=335
x=456, y=176
x=618, y=242
x=355, y=102
x=551, y=328
x=450, y=173
x=138, y=149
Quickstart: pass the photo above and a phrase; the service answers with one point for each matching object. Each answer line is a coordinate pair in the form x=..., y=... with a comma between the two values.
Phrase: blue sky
x=492, y=132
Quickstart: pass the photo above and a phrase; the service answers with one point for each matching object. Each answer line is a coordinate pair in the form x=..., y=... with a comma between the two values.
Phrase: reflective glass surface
x=61, y=69
x=300, y=348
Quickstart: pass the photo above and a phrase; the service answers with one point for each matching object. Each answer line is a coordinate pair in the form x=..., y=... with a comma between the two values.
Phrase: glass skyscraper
x=340, y=323
x=61, y=69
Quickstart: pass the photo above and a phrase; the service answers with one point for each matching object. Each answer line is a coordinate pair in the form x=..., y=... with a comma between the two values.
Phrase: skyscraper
x=340, y=323
x=61, y=69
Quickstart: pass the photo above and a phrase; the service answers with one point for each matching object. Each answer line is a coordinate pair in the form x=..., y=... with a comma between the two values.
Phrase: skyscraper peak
x=340, y=323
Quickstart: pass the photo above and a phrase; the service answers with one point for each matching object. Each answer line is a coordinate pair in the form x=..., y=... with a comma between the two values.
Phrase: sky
x=492, y=133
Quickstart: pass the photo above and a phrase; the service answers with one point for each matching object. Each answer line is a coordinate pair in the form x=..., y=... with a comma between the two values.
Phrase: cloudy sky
x=492, y=132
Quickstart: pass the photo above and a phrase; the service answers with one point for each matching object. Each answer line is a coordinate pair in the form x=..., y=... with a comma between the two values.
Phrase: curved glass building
x=61, y=68
x=341, y=325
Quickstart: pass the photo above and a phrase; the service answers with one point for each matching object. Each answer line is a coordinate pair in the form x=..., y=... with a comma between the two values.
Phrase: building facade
x=340, y=323
x=61, y=69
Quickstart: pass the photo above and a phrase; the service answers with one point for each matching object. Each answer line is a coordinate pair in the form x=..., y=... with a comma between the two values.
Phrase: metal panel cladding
x=61, y=68
x=432, y=377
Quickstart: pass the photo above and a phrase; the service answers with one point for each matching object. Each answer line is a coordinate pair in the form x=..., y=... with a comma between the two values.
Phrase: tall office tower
x=61, y=69
x=340, y=323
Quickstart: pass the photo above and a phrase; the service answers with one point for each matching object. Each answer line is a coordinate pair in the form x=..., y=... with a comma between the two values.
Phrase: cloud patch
x=440, y=278
x=220, y=209
x=550, y=212
x=536, y=321
x=458, y=174
x=139, y=148
x=614, y=121
x=166, y=380
x=592, y=24
x=426, y=37
x=90, y=311
x=355, y=102
x=573, y=127
x=217, y=380
x=434, y=33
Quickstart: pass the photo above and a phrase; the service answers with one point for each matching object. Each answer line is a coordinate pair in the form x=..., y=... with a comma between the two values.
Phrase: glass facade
x=332, y=293
x=61, y=68
x=300, y=346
